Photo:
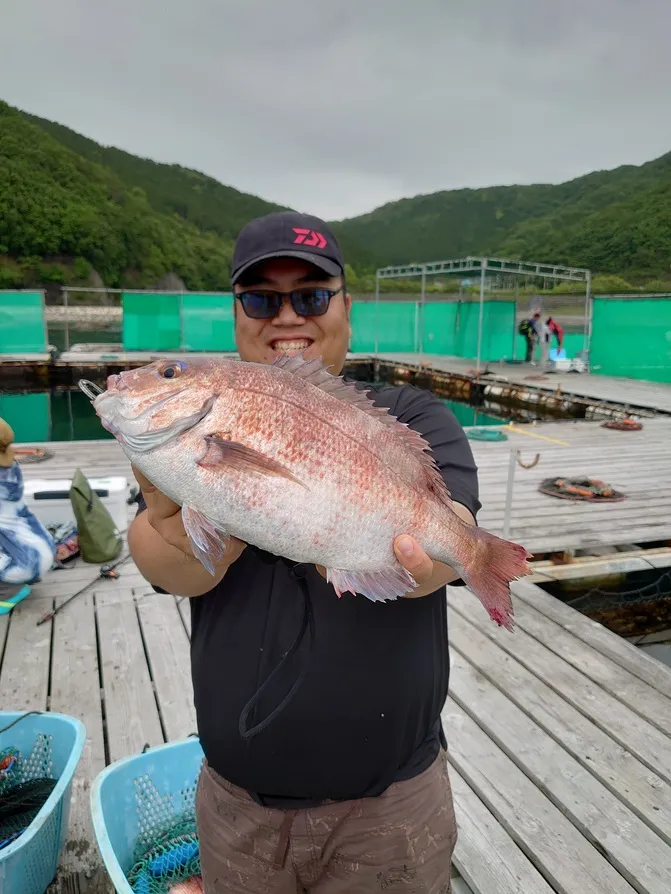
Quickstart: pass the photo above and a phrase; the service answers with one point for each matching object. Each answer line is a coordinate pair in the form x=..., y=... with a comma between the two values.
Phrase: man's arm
x=161, y=550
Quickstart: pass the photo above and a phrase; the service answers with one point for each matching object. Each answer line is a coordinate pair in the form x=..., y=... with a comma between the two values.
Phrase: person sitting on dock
x=325, y=752
x=27, y=550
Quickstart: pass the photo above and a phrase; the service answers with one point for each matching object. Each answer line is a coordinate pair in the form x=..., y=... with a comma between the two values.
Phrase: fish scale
x=302, y=464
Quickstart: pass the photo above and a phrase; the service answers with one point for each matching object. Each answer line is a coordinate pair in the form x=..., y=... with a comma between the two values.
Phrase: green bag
x=99, y=537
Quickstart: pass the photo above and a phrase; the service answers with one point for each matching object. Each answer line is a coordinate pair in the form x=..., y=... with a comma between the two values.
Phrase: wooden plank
x=596, y=635
x=75, y=690
x=130, y=706
x=643, y=791
x=640, y=855
x=185, y=612
x=24, y=679
x=559, y=851
x=627, y=688
x=487, y=858
x=649, y=744
x=168, y=651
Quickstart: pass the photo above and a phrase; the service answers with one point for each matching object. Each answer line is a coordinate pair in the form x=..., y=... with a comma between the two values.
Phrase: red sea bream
x=300, y=463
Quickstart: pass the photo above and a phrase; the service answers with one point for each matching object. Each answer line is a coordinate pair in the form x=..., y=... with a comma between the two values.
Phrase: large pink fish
x=301, y=464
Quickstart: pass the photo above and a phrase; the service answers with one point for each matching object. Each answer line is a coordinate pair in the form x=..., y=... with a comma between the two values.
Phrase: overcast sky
x=337, y=106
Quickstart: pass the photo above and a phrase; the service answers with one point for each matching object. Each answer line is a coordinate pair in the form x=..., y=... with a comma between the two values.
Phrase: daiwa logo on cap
x=309, y=237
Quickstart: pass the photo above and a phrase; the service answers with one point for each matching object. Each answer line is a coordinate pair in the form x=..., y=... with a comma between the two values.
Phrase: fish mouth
x=291, y=346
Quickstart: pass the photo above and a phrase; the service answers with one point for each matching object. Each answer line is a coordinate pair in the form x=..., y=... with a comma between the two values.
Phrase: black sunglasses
x=264, y=304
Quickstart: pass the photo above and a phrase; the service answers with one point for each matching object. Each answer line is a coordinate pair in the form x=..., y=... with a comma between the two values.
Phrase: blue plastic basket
x=138, y=794
x=52, y=745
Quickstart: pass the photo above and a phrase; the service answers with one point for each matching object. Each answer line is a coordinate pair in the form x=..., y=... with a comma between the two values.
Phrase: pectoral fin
x=208, y=540
x=231, y=456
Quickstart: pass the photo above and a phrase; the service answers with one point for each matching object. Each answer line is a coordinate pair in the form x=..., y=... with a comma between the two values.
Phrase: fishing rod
x=105, y=572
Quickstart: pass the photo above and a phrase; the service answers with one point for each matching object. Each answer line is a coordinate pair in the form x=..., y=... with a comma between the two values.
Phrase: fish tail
x=495, y=563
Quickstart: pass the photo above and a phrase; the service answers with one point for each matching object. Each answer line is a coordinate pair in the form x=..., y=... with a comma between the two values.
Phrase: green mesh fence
x=449, y=328
x=22, y=325
x=207, y=322
x=151, y=321
x=573, y=344
x=29, y=415
x=393, y=322
x=631, y=337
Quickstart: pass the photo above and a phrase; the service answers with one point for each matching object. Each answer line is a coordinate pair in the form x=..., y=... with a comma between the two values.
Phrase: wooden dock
x=635, y=394
x=559, y=734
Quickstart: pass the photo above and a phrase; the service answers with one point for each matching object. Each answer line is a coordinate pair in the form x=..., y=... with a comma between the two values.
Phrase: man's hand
x=430, y=575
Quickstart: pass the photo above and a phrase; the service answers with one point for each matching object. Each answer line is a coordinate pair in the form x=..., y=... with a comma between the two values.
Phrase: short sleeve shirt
x=369, y=679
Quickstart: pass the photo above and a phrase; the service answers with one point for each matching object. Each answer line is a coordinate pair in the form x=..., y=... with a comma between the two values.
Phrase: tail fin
x=496, y=562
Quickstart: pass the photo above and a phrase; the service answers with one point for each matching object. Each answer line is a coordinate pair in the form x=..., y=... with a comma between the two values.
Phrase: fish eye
x=172, y=371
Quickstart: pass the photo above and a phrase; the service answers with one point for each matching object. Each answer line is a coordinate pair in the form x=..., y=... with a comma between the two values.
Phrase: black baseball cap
x=287, y=234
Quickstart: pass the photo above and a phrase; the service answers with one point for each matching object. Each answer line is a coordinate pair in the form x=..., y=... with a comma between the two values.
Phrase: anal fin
x=208, y=540
x=378, y=586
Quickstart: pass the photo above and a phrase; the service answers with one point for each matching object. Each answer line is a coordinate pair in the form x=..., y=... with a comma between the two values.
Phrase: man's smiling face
x=325, y=336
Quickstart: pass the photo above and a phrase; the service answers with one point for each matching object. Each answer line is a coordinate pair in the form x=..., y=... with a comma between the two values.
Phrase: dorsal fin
x=314, y=372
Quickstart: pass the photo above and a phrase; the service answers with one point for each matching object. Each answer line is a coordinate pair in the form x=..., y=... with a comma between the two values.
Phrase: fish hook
x=90, y=389
x=534, y=461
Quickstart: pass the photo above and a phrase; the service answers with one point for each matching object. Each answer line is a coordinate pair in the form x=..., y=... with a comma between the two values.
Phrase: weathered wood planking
x=640, y=855
x=509, y=871
x=558, y=849
x=627, y=688
x=649, y=744
x=75, y=690
x=644, y=792
x=130, y=705
x=168, y=652
x=604, y=641
x=24, y=677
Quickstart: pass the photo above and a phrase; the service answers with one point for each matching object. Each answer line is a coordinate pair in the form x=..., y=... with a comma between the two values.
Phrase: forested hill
x=69, y=205
x=612, y=221
x=170, y=189
x=62, y=216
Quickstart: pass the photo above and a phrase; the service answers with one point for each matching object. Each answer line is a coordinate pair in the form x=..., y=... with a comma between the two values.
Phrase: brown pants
x=401, y=841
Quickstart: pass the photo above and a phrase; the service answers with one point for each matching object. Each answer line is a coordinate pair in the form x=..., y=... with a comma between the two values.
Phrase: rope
x=590, y=490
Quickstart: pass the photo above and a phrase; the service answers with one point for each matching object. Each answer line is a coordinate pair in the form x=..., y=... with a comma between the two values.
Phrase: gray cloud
x=337, y=108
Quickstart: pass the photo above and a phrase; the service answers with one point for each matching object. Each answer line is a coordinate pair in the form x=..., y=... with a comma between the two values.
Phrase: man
x=556, y=330
x=319, y=717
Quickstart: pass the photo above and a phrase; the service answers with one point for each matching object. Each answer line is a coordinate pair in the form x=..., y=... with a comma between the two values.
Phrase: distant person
x=556, y=330
x=527, y=329
x=27, y=549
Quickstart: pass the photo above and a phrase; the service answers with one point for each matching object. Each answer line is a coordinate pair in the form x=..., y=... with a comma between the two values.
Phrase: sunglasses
x=264, y=304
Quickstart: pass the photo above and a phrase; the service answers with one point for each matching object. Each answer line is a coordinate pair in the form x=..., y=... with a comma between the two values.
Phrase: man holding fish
x=315, y=535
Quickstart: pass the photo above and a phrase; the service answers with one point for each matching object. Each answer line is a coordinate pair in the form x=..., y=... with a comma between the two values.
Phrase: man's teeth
x=296, y=345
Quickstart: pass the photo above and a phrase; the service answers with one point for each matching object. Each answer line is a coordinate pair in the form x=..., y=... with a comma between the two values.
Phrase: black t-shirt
x=369, y=679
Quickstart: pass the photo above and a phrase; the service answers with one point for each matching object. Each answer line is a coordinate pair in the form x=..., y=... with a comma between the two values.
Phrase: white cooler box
x=49, y=499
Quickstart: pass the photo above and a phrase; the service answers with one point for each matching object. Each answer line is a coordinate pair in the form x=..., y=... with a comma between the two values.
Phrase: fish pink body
x=190, y=886
x=299, y=463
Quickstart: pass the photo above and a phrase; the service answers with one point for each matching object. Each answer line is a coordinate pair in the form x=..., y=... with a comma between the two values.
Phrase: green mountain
x=60, y=214
x=170, y=189
x=66, y=202
x=611, y=221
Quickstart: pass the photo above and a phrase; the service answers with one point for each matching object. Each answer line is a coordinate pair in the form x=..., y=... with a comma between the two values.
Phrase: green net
x=25, y=785
x=167, y=861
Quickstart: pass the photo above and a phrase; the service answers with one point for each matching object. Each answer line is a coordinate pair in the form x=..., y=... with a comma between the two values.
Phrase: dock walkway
x=633, y=393
x=559, y=734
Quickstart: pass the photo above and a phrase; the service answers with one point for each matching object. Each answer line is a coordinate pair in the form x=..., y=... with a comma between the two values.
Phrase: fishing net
x=623, y=424
x=634, y=612
x=167, y=859
x=591, y=490
x=25, y=785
